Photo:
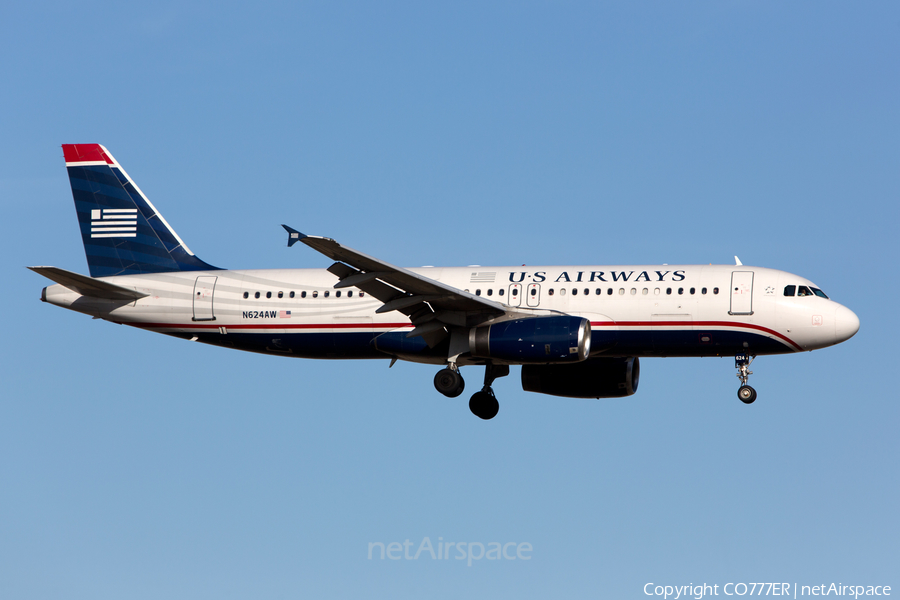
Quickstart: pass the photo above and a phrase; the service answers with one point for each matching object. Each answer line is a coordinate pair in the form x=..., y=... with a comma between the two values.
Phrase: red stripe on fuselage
x=390, y=326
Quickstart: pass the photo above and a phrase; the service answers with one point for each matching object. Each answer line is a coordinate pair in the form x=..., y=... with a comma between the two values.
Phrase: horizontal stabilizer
x=88, y=286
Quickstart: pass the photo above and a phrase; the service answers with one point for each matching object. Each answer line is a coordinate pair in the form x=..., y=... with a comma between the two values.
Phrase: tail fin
x=122, y=231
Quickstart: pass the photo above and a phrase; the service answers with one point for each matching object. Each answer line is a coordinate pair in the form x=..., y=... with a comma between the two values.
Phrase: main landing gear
x=449, y=382
x=483, y=404
x=746, y=394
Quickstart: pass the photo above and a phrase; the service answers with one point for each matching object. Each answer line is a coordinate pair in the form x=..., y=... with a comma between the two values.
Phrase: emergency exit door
x=203, y=298
x=741, y=293
x=515, y=295
x=533, y=294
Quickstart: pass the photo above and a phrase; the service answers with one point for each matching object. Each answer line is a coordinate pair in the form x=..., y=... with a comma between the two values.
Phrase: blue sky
x=138, y=466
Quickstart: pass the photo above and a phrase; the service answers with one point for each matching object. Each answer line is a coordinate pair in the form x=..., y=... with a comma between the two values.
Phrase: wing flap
x=373, y=286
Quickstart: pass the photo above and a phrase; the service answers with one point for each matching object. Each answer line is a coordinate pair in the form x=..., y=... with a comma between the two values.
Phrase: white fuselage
x=667, y=310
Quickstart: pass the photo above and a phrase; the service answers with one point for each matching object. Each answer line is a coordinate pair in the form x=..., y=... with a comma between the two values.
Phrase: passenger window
x=268, y=294
x=361, y=294
x=292, y=294
x=715, y=290
x=656, y=291
x=680, y=291
x=534, y=291
x=315, y=293
x=550, y=291
x=562, y=291
x=350, y=293
x=303, y=294
x=609, y=291
x=515, y=292
x=598, y=291
x=477, y=292
x=256, y=295
x=633, y=291
x=500, y=292
x=246, y=295
x=668, y=291
x=281, y=294
x=644, y=292
x=327, y=293
x=789, y=290
x=692, y=291
x=574, y=291
x=490, y=292
x=337, y=294
x=703, y=291
x=621, y=291
x=587, y=292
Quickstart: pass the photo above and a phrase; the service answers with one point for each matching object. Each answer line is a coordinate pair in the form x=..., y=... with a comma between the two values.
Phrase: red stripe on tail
x=76, y=153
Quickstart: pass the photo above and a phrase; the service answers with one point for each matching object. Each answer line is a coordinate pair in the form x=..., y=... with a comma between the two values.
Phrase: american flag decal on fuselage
x=114, y=223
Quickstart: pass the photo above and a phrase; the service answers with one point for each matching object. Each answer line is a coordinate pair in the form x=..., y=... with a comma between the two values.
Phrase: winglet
x=737, y=262
x=294, y=236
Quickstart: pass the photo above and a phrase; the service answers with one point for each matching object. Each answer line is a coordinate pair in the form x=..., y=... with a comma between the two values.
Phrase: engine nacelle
x=594, y=378
x=535, y=340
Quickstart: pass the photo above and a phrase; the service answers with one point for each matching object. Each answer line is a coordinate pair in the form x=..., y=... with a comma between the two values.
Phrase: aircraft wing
x=429, y=304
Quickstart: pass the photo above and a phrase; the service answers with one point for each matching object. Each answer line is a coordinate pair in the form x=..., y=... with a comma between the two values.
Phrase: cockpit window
x=804, y=291
x=790, y=290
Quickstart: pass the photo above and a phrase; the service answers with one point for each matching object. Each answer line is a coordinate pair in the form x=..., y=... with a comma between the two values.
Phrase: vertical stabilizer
x=122, y=231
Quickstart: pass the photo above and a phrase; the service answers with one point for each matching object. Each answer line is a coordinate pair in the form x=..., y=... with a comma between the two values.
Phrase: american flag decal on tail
x=114, y=223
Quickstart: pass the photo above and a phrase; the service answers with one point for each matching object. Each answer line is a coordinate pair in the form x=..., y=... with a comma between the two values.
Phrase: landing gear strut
x=746, y=394
x=484, y=404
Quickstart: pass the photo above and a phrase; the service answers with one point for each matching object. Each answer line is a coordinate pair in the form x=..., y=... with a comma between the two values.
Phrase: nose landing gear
x=746, y=394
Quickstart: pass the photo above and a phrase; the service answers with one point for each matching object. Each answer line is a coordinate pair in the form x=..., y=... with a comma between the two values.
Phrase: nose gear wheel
x=746, y=394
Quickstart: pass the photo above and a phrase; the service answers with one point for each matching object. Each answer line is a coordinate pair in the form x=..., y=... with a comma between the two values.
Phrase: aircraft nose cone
x=846, y=323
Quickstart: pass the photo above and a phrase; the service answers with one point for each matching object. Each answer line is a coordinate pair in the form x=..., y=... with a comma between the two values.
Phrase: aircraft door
x=533, y=294
x=515, y=294
x=203, y=298
x=741, y=293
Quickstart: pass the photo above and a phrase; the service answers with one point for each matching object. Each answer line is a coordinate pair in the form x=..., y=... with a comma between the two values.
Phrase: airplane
x=576, y=331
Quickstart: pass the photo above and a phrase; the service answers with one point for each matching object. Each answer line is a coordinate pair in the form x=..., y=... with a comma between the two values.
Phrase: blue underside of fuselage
x=363, y=344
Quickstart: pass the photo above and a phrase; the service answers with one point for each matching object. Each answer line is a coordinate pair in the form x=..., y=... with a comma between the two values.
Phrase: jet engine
x=535, y=340
x=594, y=378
